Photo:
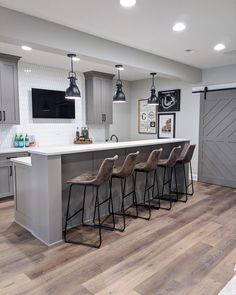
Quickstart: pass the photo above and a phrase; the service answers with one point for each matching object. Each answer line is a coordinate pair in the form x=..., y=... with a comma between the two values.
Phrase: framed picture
x=147, y=117
x=169, y=101
x=166, y=125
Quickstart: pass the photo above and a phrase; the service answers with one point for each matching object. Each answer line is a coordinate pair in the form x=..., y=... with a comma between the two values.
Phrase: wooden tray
x=88, y=141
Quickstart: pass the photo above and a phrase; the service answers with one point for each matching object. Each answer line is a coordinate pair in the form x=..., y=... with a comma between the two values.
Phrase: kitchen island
x=41, y=189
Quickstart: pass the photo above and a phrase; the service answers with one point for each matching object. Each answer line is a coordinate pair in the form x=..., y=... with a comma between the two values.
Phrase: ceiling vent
x=231, y=52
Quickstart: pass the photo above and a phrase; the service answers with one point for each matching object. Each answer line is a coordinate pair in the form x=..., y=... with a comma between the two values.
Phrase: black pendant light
x=153, y=99
x=119, y=95
x=72, y=92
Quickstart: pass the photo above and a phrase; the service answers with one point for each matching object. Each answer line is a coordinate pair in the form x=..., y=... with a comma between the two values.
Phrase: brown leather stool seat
x=122, y=173
x=96, y=180
x=148, y=167
x=184, y=160
x=169, y=164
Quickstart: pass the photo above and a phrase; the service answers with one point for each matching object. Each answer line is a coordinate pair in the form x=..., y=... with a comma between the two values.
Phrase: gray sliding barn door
x=217, y=138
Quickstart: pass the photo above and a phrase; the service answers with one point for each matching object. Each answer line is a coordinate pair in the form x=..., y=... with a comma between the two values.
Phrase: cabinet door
x=97, y=100
x=107, y=107
x=6, y=185
x=9, y=93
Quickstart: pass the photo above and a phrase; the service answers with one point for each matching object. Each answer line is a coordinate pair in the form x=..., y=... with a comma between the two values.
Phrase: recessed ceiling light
x=75, y=58
x=178, y=27
x=219, y=47
x=127, y=3
x=26, y=48
x=190, y=50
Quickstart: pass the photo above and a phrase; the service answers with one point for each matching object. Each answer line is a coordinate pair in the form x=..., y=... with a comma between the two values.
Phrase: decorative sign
x=147, y=117
x=166, y=125
x=169, y=100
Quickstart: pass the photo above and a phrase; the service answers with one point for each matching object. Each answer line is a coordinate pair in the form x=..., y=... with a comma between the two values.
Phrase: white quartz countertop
x=13, y=150
x=73, y=149
x=23, y=161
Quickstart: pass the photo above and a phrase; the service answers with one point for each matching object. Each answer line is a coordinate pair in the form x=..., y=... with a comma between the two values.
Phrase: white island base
x=41, y=189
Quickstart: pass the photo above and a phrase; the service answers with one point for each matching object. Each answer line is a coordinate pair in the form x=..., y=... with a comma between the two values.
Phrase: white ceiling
x=62, y=62
x=148, y=25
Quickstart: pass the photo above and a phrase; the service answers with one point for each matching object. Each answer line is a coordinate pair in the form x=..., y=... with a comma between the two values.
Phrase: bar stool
x=94, y=180
x=184, y=160
x=123, y=173
x=169, y=164
x=148, y=167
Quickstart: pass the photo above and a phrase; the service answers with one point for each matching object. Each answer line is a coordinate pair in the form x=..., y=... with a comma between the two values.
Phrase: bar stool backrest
x=129, y=164
x=153, y=159
x=105, y=171
x=189, y=153
x=173, y=156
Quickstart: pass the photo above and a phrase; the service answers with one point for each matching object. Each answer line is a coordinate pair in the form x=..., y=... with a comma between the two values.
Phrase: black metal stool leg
x=67, y=211
x=123, y=186
x=134, y=177
x=111, y=204
x=99, y=218
x=191, y=172
x=185, y=184
x=85, y=187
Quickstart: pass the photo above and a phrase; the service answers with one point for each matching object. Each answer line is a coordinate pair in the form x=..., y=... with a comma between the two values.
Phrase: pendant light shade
x=72, y=92
x=153, y=99
x=119, y=95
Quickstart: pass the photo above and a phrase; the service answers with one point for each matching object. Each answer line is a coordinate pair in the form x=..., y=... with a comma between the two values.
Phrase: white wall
x=219, y=75
x=47, y=131
x=187, y=120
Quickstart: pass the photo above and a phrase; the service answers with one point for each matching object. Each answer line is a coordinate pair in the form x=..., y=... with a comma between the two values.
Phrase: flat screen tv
x=52, y=104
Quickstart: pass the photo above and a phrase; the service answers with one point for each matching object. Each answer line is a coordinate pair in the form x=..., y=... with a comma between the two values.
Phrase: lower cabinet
x=6, y=174
x=6, y=183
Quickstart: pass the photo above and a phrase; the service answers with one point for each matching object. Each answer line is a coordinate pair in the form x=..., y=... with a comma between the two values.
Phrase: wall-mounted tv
x=49, y=104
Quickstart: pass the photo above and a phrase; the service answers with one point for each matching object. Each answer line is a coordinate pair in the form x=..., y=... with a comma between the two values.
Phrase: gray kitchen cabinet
x=99, y=104
x=6, y=177
x=9, y=97
x=6, y=185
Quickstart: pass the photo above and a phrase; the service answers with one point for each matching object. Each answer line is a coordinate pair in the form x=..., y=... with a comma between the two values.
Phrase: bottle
x=21, y=141
x=26, y=140
x=77, y=134
x=16, y=141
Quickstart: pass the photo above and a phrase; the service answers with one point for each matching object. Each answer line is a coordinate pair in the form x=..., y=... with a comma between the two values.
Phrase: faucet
x=113, y=135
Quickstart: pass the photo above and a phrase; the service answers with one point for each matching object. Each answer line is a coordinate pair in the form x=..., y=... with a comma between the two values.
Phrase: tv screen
x=52, y=104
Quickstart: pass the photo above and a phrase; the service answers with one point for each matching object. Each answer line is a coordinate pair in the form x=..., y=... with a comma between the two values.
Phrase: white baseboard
x=195, y=177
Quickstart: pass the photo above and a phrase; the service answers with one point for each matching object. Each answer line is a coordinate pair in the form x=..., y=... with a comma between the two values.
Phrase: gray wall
x=219, y=75
x=187, y=120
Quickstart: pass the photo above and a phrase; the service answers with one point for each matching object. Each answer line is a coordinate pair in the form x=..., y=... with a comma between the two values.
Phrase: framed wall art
x=169, y=100
x=166, y=125
x=147, y=117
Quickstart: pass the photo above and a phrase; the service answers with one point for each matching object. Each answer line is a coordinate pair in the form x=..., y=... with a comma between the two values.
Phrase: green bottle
x=21, y=141
x=16, y=141
x=26, y=140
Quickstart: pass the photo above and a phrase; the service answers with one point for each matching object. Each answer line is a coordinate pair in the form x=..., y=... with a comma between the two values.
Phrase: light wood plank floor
x=189, y=251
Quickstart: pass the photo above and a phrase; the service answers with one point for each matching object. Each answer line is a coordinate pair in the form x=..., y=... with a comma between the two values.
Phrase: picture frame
x=147, y=117
x=169, y=100
x=166, y=125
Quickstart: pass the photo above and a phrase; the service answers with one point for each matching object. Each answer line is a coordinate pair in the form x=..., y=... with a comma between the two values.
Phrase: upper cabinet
x=99, y=104
x=9, y=97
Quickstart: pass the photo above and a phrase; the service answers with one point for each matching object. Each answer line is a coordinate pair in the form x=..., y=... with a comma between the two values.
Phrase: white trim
x=214, y=87
x=33, y=234
x=195, y=177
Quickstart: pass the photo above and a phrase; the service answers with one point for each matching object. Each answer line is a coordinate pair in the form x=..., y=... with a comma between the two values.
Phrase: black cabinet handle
x=0, y=115
x=4, y=116
x=10, y=170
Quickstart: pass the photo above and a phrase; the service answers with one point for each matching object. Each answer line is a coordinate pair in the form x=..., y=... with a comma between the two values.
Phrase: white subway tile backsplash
x=46, y=131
